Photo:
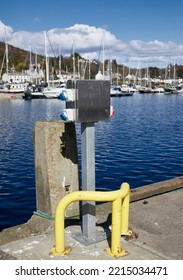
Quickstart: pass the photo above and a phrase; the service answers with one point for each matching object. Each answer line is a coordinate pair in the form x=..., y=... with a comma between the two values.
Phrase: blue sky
x=134, y=30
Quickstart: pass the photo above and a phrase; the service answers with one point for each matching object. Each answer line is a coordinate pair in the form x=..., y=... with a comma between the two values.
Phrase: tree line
x=19, y=60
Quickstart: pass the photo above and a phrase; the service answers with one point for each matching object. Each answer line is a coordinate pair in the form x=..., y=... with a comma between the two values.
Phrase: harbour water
x=141, y=144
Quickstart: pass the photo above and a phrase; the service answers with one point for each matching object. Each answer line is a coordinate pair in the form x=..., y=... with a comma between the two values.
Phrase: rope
x=46, y=216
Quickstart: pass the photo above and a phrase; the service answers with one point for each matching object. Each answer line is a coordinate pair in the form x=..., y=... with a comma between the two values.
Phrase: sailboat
x=44, y=91
x=50, y=92
x=11, y=87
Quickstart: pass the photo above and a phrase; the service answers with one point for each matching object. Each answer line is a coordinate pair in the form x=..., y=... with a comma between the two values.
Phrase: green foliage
x=20, y=66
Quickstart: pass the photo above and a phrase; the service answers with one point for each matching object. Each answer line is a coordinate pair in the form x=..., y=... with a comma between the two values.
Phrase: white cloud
x=89, y=40
x=5, y=31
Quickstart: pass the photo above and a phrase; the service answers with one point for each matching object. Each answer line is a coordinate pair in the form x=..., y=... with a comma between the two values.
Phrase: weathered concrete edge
x=145, y=192
x=156, y=189
x=37, y=225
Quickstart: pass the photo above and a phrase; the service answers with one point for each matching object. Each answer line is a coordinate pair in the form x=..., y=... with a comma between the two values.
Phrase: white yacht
x=53, y=92
x=13, y=88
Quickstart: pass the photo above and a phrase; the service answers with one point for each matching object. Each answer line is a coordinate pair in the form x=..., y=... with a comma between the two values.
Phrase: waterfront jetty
x=155, y=218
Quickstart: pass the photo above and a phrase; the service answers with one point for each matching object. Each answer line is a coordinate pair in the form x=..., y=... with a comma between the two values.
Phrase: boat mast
x=174, y=73
x=117, y=75
x=36, y=67
x=123, y=77
x=89, y=70
x=7, y=59
x=103, y=70
x=79, y=75
x=47, y=61
x=2, y=65
x=30, y=66
x=60, y=62
x=165, y=73
x=74, y=69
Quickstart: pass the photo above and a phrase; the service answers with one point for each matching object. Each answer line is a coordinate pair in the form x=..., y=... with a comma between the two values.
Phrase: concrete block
x=56, y=165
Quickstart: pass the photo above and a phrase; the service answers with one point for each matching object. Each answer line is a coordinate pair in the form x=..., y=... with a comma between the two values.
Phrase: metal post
x=89, y=234
x=92, y=105
x=88, y=178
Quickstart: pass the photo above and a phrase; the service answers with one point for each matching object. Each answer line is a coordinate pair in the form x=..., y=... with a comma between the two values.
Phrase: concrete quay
x=156, y=218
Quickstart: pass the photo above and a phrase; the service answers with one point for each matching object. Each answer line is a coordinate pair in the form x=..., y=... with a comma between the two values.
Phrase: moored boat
x=116, y=91
x=158, y=90
x=179, y=89
x=145, y=89
x=169, y=90
x=53, y=92
x=34, y=92
x=13, y=88
x=128, y=89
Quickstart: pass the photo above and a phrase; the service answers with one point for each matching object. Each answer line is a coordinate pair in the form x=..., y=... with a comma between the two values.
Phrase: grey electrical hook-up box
x=92, y=100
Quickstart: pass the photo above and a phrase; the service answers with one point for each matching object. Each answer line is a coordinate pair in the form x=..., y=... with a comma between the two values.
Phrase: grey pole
x=92, y=104
x=88, y=178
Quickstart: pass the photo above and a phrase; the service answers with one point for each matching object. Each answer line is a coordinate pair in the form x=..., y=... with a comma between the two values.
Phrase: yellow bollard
x=116, y=250
x=114, y=196
x=125, y=214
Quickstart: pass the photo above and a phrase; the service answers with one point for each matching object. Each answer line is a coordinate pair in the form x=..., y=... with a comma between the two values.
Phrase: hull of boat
x=32, y=95
x=51, y=95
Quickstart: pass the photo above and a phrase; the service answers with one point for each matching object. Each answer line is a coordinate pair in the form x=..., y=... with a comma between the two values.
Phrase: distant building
x=23, y=77
x=16, y=78
x=99, y=76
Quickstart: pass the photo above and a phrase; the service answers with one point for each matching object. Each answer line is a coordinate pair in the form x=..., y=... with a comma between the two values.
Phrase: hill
x=19, y=60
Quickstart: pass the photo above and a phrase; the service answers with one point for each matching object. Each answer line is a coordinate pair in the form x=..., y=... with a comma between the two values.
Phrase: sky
x=136, y=33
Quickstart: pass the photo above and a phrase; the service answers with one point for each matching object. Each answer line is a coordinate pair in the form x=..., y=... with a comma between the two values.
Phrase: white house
x=16, y=78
